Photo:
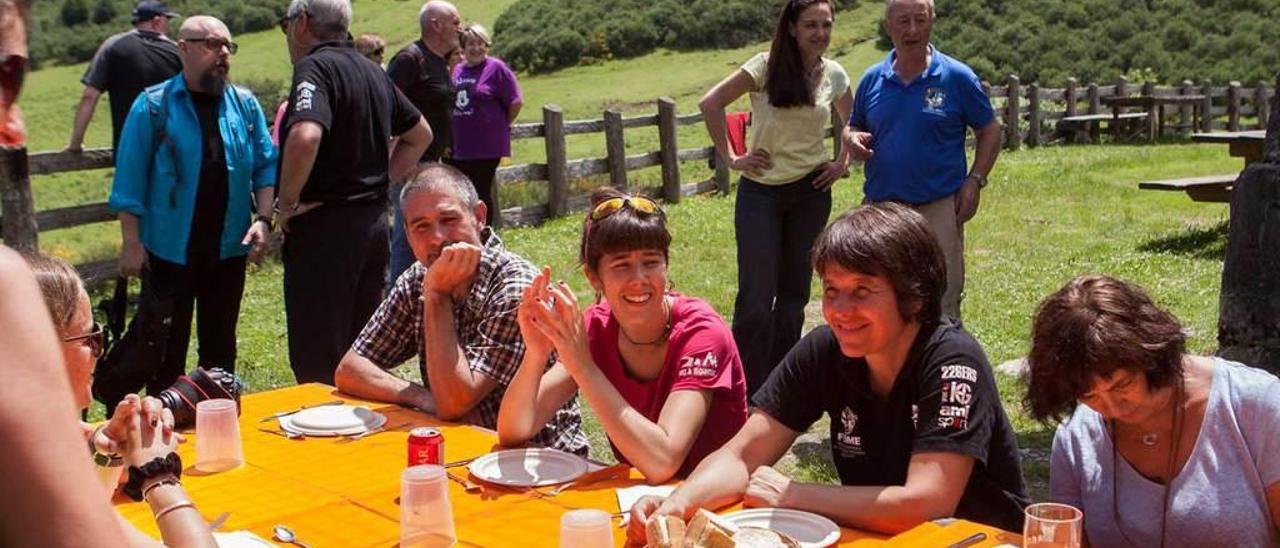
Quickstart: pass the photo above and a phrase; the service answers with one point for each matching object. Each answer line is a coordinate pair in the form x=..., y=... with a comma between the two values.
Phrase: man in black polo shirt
x=334, y=174
x=421, y=71
x=124, y=65
x=917, y=428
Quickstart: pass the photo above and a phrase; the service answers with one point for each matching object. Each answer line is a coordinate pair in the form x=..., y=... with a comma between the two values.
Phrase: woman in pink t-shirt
x=659, y=369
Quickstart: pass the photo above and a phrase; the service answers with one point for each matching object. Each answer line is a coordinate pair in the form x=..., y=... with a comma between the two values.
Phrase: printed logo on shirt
x=462, y=101
x=961, y=372
x=915, y=417
x=956, y=397
x=306, y=90
x=848, y=444
x=693, y=366
x=935, y=98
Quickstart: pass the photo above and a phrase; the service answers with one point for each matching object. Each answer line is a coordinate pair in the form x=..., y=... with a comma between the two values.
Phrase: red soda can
x=426, y=446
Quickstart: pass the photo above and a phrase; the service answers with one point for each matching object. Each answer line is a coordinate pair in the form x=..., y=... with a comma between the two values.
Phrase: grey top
x=1219, y=496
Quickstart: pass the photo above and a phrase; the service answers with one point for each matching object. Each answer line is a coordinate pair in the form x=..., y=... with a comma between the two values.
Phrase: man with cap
x=124, y=65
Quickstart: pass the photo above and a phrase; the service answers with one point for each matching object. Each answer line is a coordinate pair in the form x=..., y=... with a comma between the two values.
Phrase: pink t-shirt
x=701, y=355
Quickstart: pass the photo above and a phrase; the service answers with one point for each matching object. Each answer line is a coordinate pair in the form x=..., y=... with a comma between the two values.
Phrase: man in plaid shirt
x=456, y=310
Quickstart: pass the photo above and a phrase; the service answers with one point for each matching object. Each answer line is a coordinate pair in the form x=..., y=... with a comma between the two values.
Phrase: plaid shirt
x=487, y=333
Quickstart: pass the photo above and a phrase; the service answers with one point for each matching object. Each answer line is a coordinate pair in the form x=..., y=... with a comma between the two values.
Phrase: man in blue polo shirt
x=910, y=115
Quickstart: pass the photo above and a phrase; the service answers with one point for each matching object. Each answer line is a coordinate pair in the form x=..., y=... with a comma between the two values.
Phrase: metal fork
x=467, y=484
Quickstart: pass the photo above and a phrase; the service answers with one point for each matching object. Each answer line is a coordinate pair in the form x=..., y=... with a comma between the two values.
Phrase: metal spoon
x=285, y=534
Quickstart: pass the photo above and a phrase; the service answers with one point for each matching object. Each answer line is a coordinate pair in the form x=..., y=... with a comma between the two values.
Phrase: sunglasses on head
x=613, y=205
x=96, y=339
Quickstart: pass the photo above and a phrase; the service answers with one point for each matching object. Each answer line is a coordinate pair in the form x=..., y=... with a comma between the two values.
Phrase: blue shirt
x=157, y=182
x=918, y=129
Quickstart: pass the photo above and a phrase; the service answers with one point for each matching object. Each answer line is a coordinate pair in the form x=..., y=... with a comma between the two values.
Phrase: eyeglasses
x=613, y=205
x=215, y=44
x=95, y=339
x=285, y=19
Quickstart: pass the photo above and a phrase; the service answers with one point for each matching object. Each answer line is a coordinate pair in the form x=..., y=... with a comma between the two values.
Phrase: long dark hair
x=785, y=80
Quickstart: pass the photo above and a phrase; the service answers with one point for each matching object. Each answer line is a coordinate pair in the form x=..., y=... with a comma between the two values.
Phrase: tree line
x=70, y=31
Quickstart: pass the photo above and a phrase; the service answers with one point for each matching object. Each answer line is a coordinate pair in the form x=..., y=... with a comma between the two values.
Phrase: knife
x=303, y=408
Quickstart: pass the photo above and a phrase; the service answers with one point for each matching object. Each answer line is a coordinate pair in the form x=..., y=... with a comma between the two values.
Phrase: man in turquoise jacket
x=194, y=186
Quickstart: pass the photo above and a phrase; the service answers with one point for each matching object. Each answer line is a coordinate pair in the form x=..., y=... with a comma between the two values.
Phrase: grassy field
x=1049, y=214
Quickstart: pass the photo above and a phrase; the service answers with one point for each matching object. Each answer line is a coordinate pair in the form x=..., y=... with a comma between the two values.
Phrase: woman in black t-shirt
x=917, y=428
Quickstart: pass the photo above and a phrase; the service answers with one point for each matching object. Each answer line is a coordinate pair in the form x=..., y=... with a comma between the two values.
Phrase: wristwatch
x=270, y=220
x=103, y=460
x=982, y=179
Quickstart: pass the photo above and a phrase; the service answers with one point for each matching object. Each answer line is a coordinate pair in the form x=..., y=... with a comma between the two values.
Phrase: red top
x=701, y=355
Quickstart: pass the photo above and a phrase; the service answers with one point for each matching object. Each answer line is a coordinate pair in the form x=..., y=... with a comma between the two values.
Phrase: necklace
x=666, y=328
x=1173, y=457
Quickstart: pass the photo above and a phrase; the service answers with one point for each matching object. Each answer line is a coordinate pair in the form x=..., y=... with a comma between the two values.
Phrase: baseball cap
x=148, y=9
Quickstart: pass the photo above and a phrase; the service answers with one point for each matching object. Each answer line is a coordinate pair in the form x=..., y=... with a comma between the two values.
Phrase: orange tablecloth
x=338, y=492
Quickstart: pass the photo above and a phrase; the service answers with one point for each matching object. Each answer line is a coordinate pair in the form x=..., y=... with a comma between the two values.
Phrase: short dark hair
x=1091, y=328
x=785, y=81
x=893, y=241
x=437, y=176
x=626, y=230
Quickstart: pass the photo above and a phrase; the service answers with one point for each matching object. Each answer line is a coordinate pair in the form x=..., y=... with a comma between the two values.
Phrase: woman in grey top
x=1168, y=449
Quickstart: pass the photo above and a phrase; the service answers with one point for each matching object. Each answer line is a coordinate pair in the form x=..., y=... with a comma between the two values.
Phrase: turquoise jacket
x=158, y=166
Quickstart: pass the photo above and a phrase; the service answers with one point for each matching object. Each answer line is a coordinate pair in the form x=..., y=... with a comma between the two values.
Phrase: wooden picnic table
x=1154, y=106
x=1243, y=144
x=340, y=492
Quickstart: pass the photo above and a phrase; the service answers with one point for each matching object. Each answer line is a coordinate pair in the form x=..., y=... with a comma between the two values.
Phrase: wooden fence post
x=1184, y=112
x=1122, y=86
x=557, y=161
x=1095, y=106
x=1260, y=105
x=1233, y=106
x=669, y=149
x=722, y=175
x=1206, y=109
x=1013, y=139
x=1071, y=96
x=1155, y=118
x=17, y=208
x=1033, y=107
x=615, y=144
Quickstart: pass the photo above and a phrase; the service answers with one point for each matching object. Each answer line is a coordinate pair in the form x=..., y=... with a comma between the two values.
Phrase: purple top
x=485, y=94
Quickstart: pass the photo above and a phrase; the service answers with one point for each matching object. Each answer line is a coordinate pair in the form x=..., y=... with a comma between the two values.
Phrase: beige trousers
x=941, y=216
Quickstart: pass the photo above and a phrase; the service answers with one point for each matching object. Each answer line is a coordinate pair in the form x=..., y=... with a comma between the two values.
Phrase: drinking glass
x=586, y=529
x=218, y=445
x=1052, y=525
x=426, y=517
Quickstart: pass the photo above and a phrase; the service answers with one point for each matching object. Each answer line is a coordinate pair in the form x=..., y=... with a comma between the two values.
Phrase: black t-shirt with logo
x=424, y=78
x=360, y=110
x=944, y=400
x=125, y=65
x=210, y=212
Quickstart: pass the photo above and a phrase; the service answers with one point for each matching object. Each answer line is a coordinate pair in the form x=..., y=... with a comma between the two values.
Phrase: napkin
x=628, y=496
x=240, y=539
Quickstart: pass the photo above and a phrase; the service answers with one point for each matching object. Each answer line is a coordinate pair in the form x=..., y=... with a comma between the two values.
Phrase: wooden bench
x=1088, y=126
x=1213, y=188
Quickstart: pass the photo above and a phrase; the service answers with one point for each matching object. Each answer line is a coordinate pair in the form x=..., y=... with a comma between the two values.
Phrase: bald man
x=194, y=185
x=421, y=71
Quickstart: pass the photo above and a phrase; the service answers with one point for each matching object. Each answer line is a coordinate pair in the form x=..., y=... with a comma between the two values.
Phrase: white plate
x=337, y=420
x=528, y=467
x=811, y=530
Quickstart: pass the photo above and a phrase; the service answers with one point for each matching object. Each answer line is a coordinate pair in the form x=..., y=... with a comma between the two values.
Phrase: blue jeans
x=401, y=254
x=775, y=227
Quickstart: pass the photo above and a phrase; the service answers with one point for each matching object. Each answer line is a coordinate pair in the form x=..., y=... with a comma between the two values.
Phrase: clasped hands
x=551, y=320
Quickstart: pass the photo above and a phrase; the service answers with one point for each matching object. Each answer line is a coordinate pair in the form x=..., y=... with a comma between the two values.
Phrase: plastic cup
x=218, y=445
x=426, y=517
x=586, y=529
x=1052, y=525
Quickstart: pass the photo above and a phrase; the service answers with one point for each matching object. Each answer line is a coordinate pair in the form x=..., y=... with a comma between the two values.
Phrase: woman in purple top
x=488, y=102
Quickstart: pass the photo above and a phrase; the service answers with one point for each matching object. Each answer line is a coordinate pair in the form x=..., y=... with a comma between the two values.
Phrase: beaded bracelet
x=165, y=481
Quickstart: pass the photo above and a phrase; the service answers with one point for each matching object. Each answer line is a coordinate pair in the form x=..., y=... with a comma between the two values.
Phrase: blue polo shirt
x=918, y=129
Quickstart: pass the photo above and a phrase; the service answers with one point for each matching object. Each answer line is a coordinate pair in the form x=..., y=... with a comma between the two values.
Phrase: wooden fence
x=1026, y=112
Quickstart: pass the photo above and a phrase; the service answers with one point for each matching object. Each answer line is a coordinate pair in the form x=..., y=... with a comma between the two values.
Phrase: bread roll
x=705, y=530
x=665, y=532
